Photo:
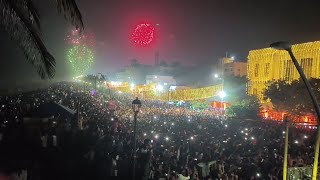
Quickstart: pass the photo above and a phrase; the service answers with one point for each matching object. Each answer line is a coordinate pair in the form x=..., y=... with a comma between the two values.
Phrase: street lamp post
x=220, y=78
x=222, y=94
x=285, y=157
x=136, y=105
x=287, y=46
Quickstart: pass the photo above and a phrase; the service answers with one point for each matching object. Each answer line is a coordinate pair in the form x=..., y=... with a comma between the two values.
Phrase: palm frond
x=71, y=12
x=29, y=11
x=22, y=29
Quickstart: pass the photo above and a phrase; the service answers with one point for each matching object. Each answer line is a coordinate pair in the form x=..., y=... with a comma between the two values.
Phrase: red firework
x=143, y=34
x=77, y=38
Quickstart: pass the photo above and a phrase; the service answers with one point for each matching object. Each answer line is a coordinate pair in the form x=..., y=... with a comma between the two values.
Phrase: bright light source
x=246, y=129
x=246, y=134
x=120, y=92
x=226, y=125
x=159, y=87
x=252, y=138
x=172, y=124
x=145, y=134
x=155, y=77
x=222, y=94
x=245, y=138
x=191, y=138
x=167, y=139
x=296, y=141
x=156, y=136
x=164, y=122
x=216, y=75
x=283, y=132
x=242, y=132
x=258, y=174
x=189, y=120
x=232, y=57
x=151, y=131
x=305, y=136
x=154, y=117
x=98, y=85
x=112, y=119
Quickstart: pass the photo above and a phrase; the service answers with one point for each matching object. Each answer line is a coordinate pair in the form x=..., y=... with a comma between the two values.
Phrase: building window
x=256, y=70
x=267, y=69
x=255, y=91
x=289, y=69
x=306, y=64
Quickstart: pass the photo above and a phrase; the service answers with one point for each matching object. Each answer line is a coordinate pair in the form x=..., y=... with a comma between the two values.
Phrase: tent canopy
x=53, y=109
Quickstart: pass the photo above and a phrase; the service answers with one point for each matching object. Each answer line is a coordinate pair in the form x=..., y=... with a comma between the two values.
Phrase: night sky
x=190, y=31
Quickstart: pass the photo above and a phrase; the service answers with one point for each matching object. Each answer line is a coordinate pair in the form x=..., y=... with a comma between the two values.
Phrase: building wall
x=267, y=65
x=235, y=69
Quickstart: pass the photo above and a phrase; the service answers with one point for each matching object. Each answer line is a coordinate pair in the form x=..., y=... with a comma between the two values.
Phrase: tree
x=200, y=104
x=21, y=20
x=249, y=107
x=292, y=97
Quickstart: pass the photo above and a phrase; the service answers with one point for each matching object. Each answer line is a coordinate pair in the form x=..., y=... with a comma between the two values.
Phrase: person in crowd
x=175, y=142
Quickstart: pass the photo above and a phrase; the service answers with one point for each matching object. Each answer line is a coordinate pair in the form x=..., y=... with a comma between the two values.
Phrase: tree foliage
x=248, y=107
x=292, y=97
x=200, y=104
x=21, y=20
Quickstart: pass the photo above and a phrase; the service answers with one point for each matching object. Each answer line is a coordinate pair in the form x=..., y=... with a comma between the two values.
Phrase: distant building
x=163, y=80
x=265, y=65
x=229, y=67
x=237, y=69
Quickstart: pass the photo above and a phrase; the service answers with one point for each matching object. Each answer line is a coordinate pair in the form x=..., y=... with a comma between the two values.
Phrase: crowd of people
x=172, y=142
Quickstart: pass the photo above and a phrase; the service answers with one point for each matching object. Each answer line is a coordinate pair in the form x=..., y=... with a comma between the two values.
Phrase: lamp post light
x=136, y=105
x=282, y=45
x=220, y=78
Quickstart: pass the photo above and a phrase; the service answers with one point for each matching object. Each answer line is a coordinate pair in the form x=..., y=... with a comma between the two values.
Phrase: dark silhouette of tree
x=21, y=20
x=292, y=97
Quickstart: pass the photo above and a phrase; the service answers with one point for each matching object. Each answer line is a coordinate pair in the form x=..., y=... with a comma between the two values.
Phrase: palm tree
x=21, y=20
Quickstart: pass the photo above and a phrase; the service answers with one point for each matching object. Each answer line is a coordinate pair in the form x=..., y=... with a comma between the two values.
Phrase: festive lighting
x=222, y=94
x=167, y=139
x=81, y=58
x=159, y=87
x=143, y=34
x=191, y=137
x=77, y=38
x=156, y=136
x=145, y=134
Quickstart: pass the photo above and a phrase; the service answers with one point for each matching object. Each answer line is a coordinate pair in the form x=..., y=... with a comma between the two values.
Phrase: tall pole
x=135, y=145
x=317, y=109
x=285, y=156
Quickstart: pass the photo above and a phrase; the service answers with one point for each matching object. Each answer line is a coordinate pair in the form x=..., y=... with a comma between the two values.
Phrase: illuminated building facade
x=267, y=65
